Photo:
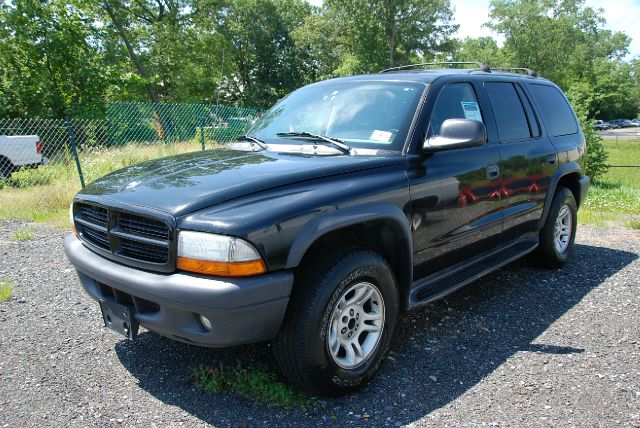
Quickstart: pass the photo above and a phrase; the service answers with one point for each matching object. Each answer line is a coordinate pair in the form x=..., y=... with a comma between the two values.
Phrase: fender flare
x=344, y=217
x=564, y=170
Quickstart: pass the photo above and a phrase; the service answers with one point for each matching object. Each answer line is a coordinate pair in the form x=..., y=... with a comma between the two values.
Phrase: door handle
x=551, y=160
x=493, y=172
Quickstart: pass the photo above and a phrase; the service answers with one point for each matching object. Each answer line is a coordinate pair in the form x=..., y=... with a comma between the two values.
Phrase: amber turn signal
x=73, y=224
x=207, y=267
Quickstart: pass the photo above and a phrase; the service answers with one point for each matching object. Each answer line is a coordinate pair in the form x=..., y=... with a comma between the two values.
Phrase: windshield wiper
x=333, y=141
x=253, y=141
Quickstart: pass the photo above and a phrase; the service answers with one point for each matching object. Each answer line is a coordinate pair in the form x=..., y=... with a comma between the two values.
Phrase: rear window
x=555, y=110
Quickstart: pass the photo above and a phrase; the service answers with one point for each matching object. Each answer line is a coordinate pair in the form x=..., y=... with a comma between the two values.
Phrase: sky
x=621, y=15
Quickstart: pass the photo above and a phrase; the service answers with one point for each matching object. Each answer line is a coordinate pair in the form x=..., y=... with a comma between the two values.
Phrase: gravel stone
x=522, y=346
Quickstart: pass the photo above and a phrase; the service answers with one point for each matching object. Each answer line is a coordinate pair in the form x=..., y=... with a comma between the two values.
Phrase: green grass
x=6, y=290
x=23, y=233
x=615, y=198
x=49, y=202
x=633, y=223
x=623, y=152
x=255, y=384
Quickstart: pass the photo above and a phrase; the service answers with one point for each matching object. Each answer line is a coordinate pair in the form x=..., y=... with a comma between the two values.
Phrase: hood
x=186, y=183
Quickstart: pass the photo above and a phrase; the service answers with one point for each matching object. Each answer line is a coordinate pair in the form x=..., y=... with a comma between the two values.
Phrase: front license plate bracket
x=119, y=318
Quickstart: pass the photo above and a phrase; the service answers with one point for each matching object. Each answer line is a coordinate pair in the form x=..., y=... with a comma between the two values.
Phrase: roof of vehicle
x=421, y=74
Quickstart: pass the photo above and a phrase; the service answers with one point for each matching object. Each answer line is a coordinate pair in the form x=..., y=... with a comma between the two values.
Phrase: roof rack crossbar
x=529, y=71
x=481, y=66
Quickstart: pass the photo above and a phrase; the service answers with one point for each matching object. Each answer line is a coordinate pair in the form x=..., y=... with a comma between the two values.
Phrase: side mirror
x=456, y=134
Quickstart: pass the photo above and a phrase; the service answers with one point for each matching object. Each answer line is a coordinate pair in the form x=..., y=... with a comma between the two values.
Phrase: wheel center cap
x=352, y=323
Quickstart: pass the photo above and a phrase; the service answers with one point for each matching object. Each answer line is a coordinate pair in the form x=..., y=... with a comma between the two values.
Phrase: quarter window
x=509, y=113
x=555, y=110
x=455, y=101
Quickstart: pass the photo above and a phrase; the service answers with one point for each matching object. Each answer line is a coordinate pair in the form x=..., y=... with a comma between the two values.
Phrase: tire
x=316, y=318
x=564, y=212
x=6, y=168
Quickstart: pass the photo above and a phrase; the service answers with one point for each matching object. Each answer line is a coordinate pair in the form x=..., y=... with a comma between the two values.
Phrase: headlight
x=217, y=255
x=73, y=223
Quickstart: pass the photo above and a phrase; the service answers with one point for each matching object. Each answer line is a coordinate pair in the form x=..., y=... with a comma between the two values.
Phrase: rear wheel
x=339, y=323
x=559, y=231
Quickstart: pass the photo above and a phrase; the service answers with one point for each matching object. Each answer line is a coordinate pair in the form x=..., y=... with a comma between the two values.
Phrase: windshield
x=365, y=114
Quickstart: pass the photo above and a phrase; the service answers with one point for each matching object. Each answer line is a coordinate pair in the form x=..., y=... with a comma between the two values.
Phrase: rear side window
x=509, y=113
x=555, y=110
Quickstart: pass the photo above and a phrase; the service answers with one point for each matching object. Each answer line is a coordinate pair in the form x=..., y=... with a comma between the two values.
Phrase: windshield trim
x=416, y=118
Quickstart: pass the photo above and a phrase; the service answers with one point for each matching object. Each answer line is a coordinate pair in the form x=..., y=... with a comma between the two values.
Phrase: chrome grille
x=126, y=236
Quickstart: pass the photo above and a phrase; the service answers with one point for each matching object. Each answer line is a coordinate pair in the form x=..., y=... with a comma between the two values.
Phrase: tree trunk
x=392, y=30
x=153, y=95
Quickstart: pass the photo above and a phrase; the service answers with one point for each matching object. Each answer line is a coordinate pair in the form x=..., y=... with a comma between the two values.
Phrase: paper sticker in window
x=381, y=136
x=471, y=110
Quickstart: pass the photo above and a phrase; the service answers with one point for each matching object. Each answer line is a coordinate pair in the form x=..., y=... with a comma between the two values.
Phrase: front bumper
x=241, y=310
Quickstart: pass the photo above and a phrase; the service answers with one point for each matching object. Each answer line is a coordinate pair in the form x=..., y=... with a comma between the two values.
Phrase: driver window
x=455, y=101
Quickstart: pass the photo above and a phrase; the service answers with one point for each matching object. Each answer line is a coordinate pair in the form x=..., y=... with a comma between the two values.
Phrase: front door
x=455, y=193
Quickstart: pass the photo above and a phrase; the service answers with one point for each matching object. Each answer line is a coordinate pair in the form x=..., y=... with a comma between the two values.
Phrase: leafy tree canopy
x=72, y=57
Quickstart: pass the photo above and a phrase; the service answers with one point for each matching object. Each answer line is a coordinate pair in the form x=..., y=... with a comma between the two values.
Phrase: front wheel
x=6, y=168
x=559, y=231
x=339, y=323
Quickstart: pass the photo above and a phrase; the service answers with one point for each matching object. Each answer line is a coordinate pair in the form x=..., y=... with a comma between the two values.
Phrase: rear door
x=528, y=158
x=455, y=193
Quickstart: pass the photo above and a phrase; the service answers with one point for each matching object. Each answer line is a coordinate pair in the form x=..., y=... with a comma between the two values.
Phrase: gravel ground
x=521, y=346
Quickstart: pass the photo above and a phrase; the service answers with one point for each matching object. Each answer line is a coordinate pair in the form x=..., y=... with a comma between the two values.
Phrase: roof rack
x=529, y=71
x=481, y=66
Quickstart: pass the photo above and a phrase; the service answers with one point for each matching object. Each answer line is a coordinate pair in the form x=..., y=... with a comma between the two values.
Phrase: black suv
x=347, y=202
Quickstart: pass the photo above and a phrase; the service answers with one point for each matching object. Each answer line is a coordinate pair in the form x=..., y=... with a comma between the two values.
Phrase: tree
x=51, y=60
x=358, y=36
x=174, y=52
x=481, y=49
x=561, y=39
x=268, y=62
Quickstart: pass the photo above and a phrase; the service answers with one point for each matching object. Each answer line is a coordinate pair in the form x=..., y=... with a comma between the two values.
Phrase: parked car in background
x=635, y=122
x=19, y=151
x=622, y=123
x=601, y=125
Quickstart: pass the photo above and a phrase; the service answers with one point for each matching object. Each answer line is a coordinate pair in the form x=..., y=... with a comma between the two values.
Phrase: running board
x=438, y=285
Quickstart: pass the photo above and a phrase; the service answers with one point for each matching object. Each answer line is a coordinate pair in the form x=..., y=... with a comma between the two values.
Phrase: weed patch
x=255, y=384
x=6, y=290
x=23, y=233
x=633, y=223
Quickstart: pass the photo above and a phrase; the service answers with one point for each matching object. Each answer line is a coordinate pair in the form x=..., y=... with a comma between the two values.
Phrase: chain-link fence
x=48, y=151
